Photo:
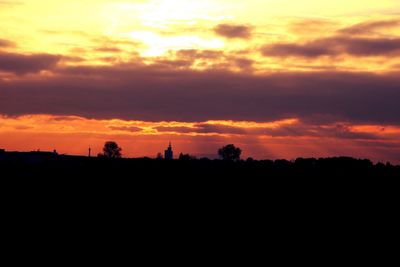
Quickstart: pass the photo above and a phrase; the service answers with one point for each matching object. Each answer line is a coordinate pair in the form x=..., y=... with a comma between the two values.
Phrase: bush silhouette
x=186, y=157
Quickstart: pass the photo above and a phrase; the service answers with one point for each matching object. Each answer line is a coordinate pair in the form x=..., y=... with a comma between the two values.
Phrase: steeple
x=169, y=154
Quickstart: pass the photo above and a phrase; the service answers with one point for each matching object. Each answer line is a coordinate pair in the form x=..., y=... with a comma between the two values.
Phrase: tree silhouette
x=186, y=157
x=230, y=152
x=111, y=150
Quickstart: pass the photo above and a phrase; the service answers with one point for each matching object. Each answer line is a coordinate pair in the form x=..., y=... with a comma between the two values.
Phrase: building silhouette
x=169, y=154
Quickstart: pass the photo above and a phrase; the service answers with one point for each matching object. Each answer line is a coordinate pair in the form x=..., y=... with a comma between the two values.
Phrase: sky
x=278, y=78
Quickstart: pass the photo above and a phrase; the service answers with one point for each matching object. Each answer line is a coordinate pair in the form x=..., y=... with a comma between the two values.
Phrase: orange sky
x=279, y=78
x=280, y=139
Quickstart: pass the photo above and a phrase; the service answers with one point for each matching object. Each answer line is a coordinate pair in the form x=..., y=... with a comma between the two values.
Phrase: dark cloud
x=299, y=129
x=65, y=118
x=72, y=59
x=23, y=64
x=244, y=63
x=174, y=63
x=233, y=31
x=6, y=43
x=370, y=26
x=204, y=128
x=296, y=50
x=334, y=46
x=302, y=129
x=155, y=93
x=372, y=47
x=345, y=132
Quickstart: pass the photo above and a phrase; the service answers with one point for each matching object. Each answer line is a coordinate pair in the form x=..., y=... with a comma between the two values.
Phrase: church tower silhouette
x=169, y=154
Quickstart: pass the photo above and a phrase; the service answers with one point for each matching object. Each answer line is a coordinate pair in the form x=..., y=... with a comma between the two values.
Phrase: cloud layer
x=369, y=27
x=155, y=93
x=23, y=64
x=334, y=46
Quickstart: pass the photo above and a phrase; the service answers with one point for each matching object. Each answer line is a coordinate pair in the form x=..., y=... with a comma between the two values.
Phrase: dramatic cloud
x=297, y=50
x=233, y=31
x=335, y=46
x=295, y=129
x=202, y=74
x=204, y=128
x=23, y=64
x=340, y=131
x=152, y=93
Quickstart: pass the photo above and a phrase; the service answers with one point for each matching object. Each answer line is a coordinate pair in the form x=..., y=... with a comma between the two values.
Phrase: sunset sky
x=278, y=78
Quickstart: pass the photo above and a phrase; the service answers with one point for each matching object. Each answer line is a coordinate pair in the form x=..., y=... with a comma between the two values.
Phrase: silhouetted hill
x=50, y=165
x=150, y=189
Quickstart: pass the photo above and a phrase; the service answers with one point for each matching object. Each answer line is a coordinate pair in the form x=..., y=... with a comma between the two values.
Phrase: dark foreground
x=154, y=192
x=37, y=165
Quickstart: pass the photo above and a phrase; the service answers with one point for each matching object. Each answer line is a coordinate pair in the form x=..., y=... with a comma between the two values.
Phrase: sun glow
x=157, y=45
x=164, y=13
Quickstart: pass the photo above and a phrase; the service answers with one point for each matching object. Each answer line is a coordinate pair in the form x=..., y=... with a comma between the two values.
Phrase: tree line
x=229, y=152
